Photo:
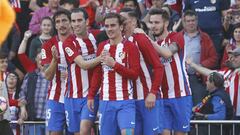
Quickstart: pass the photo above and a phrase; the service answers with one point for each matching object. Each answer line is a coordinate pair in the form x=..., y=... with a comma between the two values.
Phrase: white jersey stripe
x=106, y=79
x=118, y=78
x=180, y=75
x=63, y=62
x=85, y=82
x=74, y=83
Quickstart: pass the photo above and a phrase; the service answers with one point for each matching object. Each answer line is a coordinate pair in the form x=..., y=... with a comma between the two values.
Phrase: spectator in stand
x=37, y=4
x=10, y=46
x=90, y=6
x=216, y=105
x=49, y=10
x=210, y=15
x=199, y=46
x=231, y=76
x=46, y=28
x=34, y=88
x=175, y=20
x=133, y=4
x=5, y=117
x=69, y=4
x=13, y=87
x=106, y=7
x=155, y=4
x=234, y=43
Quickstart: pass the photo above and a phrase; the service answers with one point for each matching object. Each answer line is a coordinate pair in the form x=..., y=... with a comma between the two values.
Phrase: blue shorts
x=55, y=116
x=76, y=109
x=177, y=113
x=115, y=116
x=149, y=122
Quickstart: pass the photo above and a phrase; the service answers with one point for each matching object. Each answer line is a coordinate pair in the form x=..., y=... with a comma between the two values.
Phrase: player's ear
x=121, y=27
x=87, y=22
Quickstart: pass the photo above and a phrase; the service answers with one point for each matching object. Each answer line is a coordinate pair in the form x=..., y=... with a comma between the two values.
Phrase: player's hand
x=90, y=104
x=109, y=61
x=27, y=34
x=150, y=101
x=139, y=30
x=189, y=61
x=54, y=53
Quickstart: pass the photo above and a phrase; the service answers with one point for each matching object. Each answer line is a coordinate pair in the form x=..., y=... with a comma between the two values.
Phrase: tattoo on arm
x=173, y=47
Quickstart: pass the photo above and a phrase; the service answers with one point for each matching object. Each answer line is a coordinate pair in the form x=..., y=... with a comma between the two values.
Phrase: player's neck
x=163, y=35
x=116, y=40
x=82, y=35
x=63, y=37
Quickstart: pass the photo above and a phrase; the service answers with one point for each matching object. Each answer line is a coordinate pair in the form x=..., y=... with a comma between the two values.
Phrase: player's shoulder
x=95, y=32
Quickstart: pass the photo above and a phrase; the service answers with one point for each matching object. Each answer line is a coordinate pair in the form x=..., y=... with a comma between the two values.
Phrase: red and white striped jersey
x=175, y=79
x=232, y=85
x=148, y=80
x=116, y=82
x=58, y=85
x=79, y=79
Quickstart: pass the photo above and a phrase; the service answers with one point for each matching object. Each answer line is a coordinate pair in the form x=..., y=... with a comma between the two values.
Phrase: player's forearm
x=162, y=51
x=202, y=70
x=157, y=79
x=50, y=71
x=87, y=64
x=131, y=73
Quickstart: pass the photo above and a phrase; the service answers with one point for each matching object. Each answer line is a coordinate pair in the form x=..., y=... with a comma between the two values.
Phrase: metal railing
x=195, y=123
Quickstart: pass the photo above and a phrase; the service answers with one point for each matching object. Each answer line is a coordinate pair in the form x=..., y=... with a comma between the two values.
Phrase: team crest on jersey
x=122, y=55
x=43, y=54
x=69, y=51
x=213, y=1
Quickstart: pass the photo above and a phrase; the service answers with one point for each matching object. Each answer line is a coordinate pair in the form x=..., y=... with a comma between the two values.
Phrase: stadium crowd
x=138, y=67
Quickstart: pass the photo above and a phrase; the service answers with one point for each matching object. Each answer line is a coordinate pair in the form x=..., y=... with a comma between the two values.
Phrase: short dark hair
x=73, y=2
x=3, y=54
x=114, y=15
x=47, y=18
x=163, y=13
x=134, y=1
x=77, y=10
x=133, y=14
x=190, y=13
x=217, y=79
x=126, y=10
x=62, y=12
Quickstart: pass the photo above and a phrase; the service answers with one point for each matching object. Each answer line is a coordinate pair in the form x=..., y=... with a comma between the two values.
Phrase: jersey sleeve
x=46, y=53
x=70, y=50
x=151, y=57
x=96, y=78
x=131, y=72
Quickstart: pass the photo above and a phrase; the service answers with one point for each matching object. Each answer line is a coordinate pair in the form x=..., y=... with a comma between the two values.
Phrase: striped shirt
x=175, y=79
x=232, y=85
x=151, y=71
x=79, y=79
x=116, y=82
x=58, y=85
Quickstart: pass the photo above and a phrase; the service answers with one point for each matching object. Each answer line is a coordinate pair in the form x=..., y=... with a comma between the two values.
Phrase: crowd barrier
x=234, y=124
